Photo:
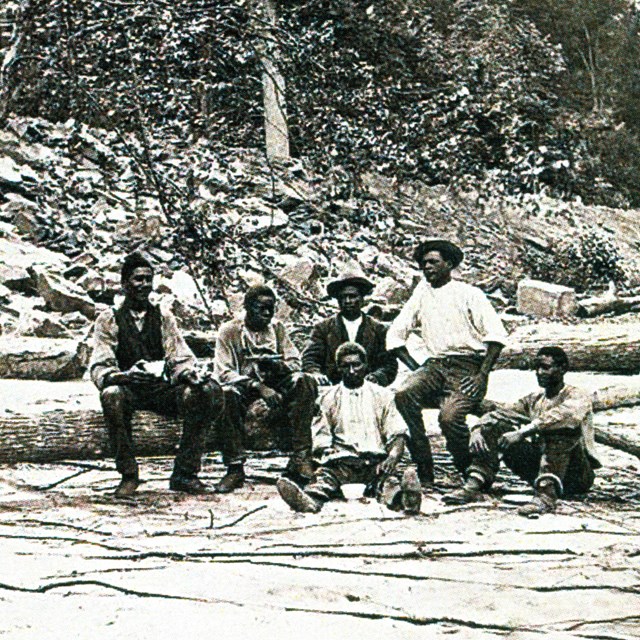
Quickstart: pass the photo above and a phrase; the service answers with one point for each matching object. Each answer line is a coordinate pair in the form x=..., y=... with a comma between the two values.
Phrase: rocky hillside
x=75, y=200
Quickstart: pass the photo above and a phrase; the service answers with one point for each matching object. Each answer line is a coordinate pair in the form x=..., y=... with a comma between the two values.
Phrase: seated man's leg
x=580, y=475
x=557, y=452
x=299, y=392
x=402, y=494
x=421, y=389
x=455, y=407
x=233, y=438
x=197, y=406
x=117, y=406
x=324, y=486
x=481, y=472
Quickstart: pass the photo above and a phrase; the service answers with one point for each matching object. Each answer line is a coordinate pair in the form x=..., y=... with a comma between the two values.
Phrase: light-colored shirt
x=236, y=343
x=571, y=409
x=455, y=319
x=178, y=356
x=352, y=327
x=356, y=421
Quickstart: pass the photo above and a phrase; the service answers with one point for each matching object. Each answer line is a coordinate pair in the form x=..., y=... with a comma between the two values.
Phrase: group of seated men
x=342, y=421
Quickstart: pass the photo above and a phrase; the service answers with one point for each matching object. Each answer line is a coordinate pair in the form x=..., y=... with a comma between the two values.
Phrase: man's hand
x=191, y=377
x=387, y=466
x=475, y=387
x=477, y=444
x=321, y=379
x=371, y=377
x=509, y=439
x=271, y=397
x=135, y=375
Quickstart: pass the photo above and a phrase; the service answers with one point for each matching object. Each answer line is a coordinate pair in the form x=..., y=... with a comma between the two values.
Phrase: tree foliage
x=529, y=95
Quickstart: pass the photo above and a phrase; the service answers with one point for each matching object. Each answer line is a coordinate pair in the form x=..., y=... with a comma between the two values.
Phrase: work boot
x=539, y=505
x=127, y=487
x=411, y=492
x=300, y=469
x=296, y=498
x=192, y=485
x=233, y=479
x=471, y=491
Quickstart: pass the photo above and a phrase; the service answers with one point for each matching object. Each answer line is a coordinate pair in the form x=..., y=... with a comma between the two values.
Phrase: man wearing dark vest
x=349, y=325
x=140, y=361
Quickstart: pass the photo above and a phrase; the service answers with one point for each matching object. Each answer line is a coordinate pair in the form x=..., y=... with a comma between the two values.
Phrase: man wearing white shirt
x=459, y=337
x=359, y=437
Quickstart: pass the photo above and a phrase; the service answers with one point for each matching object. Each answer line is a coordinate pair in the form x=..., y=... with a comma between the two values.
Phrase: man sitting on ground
x=546, y=438
x=350, y=325
x=256, y=357
x=360, y=436
x=127, y=339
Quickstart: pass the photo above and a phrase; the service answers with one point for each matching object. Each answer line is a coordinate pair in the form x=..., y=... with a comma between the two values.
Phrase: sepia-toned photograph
x=319, y=319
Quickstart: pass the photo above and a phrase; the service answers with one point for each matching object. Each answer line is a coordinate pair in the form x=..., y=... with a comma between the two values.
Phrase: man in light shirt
x=459, y=337
x=128, y=341
x=256, y=359
x=349, y=325
x=546, y=438
x=359, y=437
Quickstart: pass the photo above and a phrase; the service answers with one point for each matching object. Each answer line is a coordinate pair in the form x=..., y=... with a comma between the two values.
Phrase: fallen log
x=42, y=432
x=599, y=305
x=606, y=346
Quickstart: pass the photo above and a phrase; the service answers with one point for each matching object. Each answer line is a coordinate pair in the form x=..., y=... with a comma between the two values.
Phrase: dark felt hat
x=351, y=276
x=449, y=251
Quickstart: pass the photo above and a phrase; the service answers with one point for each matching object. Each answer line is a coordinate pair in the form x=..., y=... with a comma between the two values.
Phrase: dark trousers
x=437, y=385
x=559, y=456
x=333, y=474
x=196, y=405
x=299, y=392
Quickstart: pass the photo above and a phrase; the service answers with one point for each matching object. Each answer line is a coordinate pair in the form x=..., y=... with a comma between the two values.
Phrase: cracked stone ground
x=75, y=563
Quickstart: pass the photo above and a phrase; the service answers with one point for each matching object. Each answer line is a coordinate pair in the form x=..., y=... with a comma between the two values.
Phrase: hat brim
x=362, y=284
x=449, y=251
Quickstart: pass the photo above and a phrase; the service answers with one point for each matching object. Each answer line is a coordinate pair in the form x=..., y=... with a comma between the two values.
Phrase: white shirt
x=352, y=327
x=355, y=421
x=138, y=318
x=455, y=319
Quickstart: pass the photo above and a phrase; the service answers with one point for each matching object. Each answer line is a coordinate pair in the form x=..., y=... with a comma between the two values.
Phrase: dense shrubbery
x=534, y=94
x=589, y=259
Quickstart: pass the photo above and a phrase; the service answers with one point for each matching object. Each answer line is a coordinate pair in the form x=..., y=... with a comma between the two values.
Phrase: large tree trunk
x=612, y=347
x=41, y=433
x=273, y=83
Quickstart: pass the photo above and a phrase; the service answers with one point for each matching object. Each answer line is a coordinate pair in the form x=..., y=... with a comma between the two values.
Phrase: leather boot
x=233, y=479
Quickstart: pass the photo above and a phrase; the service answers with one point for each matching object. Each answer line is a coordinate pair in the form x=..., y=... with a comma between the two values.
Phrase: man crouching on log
x=546, y=438
x=360, y=437
x=127, y=340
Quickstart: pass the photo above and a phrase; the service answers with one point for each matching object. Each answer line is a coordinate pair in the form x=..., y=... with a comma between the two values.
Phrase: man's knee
x=204, y=397
x=407, y=395
x=113, y=397
x=305, y=384
x=451, y=419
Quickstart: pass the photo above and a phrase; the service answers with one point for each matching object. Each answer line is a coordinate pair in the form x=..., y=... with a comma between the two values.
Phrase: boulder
x=256, y=216
x=39, y=359
x=62, y=295
x=390, y=292
x=543, y=299
x=300, y=272
x=42, y=325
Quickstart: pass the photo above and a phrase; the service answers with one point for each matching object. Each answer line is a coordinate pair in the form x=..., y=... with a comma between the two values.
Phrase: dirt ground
x=76, y=563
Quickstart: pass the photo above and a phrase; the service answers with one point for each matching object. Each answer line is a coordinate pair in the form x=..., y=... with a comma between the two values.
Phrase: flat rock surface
x=76, y=563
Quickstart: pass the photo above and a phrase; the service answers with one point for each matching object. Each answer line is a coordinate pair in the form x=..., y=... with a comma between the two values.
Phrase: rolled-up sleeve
x=486, y=320
x=103, y=356
x=575, y=408
x=227, y=363
x=178, y=356
x=392, y=423
x=406, y=321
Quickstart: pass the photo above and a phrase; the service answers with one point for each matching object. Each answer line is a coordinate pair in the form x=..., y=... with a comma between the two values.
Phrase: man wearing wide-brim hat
x=349, y=325
x=456, y=337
